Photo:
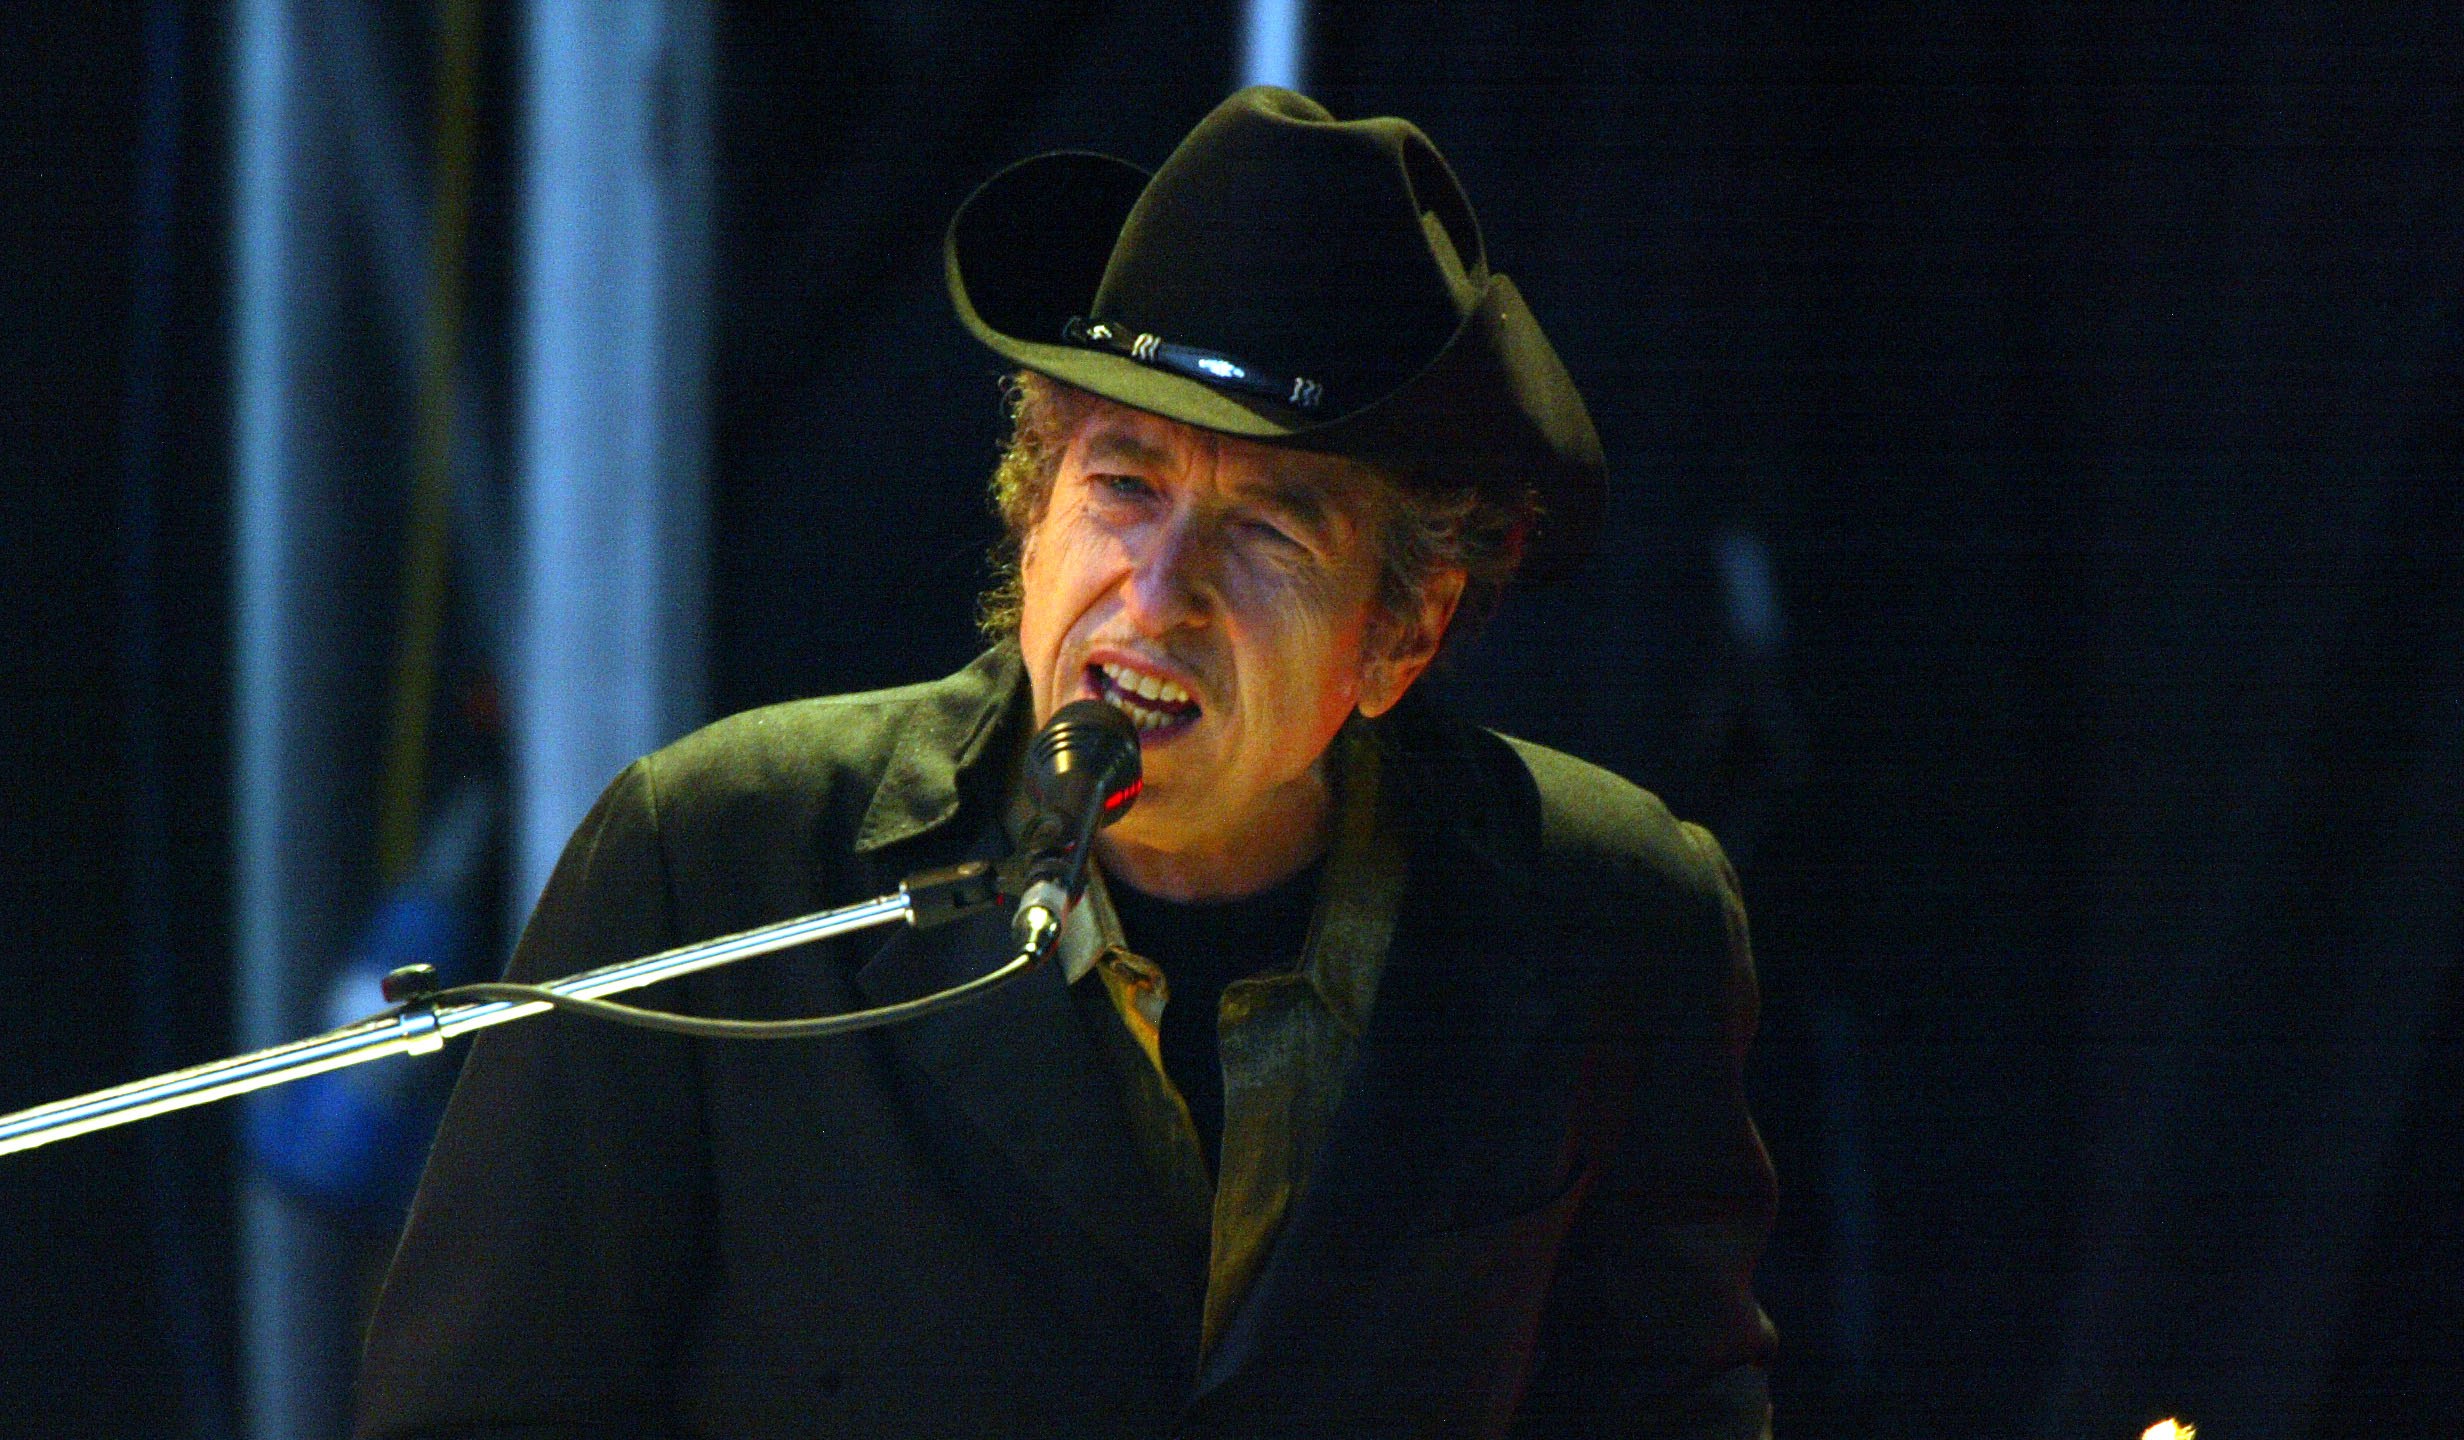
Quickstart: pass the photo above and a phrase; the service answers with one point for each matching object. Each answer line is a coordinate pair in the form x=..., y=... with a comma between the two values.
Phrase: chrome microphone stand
x=426, y=1019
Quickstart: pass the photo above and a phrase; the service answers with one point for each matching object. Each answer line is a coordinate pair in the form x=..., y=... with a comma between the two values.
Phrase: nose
x=1168, y=580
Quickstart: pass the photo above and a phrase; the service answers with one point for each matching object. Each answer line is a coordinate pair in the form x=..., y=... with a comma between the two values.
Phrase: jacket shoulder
x=1589, y=815
x=1530, y=807
x=1633, y=880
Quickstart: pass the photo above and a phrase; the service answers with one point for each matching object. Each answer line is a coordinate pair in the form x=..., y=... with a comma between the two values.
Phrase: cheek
x=1066, y=565
x=1312, y=638
x=1051, y=557
x=1035, y=592
x=1048, y=606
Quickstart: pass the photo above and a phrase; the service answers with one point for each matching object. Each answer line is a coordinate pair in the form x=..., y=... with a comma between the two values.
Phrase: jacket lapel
x=1460, y=1004
x=1021, y=1068
x=1449, y=1025
x=1017, y=1065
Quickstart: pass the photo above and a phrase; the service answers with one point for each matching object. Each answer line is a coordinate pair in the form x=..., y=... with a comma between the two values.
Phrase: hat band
x=1221, y=371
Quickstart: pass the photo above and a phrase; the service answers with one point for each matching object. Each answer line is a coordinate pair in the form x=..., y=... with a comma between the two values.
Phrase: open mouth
x=1159, y=708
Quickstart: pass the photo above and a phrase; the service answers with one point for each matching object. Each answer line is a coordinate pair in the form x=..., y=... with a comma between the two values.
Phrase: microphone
x=1087, y=753
x=1083, y=770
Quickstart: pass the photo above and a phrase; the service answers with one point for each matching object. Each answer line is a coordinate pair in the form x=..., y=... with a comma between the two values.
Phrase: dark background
x=2089, y=379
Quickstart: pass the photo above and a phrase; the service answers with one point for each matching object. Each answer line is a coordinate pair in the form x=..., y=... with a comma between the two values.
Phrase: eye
x=1120, y=487
x=1271, y=533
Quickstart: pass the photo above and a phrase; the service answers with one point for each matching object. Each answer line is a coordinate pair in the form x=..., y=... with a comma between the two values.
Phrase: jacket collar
x=950, y=735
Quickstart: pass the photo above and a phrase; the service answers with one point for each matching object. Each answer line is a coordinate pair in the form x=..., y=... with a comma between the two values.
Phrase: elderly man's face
x=1223, y=594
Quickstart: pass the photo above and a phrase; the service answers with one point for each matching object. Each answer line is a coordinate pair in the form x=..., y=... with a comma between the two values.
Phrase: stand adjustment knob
x=411, y=982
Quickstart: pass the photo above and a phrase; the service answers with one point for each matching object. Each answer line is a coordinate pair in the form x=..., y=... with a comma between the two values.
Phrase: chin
x=1164, y=817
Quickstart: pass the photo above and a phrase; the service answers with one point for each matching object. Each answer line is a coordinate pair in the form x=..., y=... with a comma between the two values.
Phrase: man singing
x=1387, y=1082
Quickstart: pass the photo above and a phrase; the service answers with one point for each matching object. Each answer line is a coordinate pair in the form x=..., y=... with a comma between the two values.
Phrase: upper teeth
x=1148, y=687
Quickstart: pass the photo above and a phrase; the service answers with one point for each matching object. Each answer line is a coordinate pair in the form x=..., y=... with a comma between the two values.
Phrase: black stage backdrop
x=115, y=1268
x=2086, y=381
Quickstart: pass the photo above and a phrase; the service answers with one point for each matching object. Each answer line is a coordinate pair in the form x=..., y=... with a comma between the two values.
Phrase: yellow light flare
x=2169, y=1429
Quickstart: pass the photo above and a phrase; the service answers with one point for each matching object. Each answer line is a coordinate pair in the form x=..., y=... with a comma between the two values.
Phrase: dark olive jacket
x=1537, y=1210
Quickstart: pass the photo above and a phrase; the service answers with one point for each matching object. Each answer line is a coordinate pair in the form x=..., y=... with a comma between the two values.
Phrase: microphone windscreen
x=1086, y=754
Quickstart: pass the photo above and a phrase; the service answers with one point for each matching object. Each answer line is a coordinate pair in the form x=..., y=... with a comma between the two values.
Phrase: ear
x=1401, y=647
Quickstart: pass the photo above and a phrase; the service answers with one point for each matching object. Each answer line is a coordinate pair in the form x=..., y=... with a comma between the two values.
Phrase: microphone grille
x=1087, y=753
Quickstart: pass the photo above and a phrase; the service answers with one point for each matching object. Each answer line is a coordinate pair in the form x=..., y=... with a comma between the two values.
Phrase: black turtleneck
x=1201, y=948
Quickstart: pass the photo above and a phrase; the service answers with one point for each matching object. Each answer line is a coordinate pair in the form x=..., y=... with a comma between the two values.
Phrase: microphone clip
x=953, y=892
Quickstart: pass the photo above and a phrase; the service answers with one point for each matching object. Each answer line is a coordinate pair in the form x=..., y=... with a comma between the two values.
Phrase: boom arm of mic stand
x=422, y=1027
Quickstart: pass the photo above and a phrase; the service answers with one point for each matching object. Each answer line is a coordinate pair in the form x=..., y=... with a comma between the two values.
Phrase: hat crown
x=1340, y=251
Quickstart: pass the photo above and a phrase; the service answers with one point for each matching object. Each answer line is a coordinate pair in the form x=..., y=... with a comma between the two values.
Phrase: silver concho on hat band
x=1207, y=366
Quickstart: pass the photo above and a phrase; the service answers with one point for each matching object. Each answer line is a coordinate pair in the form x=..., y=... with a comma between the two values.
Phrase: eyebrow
x=1302, y=500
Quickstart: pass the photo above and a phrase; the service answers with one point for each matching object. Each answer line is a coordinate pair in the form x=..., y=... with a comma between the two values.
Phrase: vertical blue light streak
x=1273, y=43
x=612, y=435
x=263, y=181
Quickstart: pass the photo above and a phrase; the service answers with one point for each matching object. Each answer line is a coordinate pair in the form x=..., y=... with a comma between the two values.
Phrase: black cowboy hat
x=1289, y=278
